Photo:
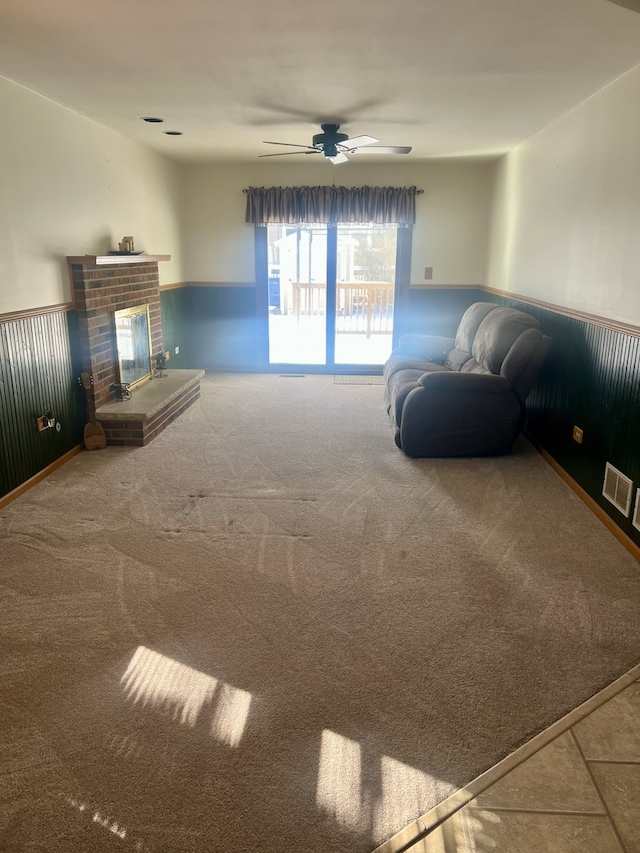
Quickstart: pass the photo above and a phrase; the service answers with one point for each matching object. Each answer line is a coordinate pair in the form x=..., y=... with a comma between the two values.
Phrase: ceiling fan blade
x=384, y=149
x=357, y=141
x=288, y=153
x=289, y=144
x=334, y=146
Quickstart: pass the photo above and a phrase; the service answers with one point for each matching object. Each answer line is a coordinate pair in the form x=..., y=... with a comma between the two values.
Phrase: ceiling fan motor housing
x=335, y=146
x=328, y=141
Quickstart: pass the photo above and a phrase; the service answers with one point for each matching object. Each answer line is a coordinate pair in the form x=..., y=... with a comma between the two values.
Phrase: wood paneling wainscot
x=37, y=375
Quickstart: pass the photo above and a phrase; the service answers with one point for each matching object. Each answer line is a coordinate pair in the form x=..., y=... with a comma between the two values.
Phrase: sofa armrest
x=426, y=347
x=483, y=383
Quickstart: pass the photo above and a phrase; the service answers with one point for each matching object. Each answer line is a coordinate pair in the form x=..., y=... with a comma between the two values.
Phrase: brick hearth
x=152, y=407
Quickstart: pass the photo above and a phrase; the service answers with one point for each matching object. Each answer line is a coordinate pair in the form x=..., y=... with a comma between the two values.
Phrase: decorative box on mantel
x=103, y=284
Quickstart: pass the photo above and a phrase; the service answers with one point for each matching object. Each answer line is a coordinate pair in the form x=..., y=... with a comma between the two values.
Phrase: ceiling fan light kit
x=335, y=146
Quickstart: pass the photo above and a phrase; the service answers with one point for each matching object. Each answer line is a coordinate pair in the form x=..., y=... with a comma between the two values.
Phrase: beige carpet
x=271, y=631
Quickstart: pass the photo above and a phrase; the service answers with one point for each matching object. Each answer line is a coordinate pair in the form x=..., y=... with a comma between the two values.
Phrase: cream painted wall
x=69, y=186
x=451, y=233
x=567, y=208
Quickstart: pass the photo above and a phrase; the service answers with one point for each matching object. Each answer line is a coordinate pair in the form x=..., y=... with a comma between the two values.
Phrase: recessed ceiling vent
x=617, y=489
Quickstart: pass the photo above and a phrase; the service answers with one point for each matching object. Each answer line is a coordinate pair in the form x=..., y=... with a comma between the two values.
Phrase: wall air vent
x=617, y=488
x=636, y=511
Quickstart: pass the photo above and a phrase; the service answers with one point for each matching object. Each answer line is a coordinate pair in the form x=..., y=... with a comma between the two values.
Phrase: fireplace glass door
x=133, y=342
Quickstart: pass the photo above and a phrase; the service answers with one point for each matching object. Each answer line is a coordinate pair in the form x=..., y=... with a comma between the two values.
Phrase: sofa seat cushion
x=401, y=362
x=472, y=366
x=402, y=382
x=457, y=359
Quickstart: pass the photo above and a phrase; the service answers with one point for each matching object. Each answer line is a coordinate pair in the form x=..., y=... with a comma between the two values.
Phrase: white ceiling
x=452, y=78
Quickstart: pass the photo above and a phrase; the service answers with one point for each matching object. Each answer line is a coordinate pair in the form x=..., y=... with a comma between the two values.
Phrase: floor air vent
x=617, y=489
x=344, y=379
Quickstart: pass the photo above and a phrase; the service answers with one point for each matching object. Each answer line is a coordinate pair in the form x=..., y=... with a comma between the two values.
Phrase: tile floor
x=580, y=793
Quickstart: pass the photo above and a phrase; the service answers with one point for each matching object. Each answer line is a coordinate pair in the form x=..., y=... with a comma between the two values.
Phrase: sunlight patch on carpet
x=97, y=817
x=339, y=792
x=231, y=714
x=183, y=692
x=402, y=791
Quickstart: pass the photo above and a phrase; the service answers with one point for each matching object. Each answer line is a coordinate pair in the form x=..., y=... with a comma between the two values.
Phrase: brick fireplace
x=99, y=290
x=101, y=286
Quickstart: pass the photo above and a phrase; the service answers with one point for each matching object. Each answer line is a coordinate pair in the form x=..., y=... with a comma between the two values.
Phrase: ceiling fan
x=335, y=146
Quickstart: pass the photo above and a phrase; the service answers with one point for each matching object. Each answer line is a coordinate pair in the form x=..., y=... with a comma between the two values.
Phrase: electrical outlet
x=177, y=351
x=428, y=273
x=578, y=434
x=45, y=422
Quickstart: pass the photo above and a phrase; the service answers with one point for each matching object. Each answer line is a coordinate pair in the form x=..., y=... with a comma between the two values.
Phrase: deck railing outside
x=362, y=307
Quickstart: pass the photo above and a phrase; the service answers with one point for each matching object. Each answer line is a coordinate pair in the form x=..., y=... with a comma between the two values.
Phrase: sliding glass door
x=297, y=294
x=331, y=294
x=365, y=291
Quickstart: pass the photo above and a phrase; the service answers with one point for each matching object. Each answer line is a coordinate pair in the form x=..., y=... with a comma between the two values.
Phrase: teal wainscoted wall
x=224, y=332
x=437, y=311
x=37, y=374
x=591, y=379
x=175, y=331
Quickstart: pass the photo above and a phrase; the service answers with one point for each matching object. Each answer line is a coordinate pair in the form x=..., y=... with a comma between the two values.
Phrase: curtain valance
x=291, y=205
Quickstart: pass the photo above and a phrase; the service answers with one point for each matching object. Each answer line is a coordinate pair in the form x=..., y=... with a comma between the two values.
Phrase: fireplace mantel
x=101, y=260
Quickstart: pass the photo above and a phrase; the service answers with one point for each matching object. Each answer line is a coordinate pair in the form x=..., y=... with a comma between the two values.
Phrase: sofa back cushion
x=497, y=334
x=492, y=339
x=470, y=323
x=460, y=355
